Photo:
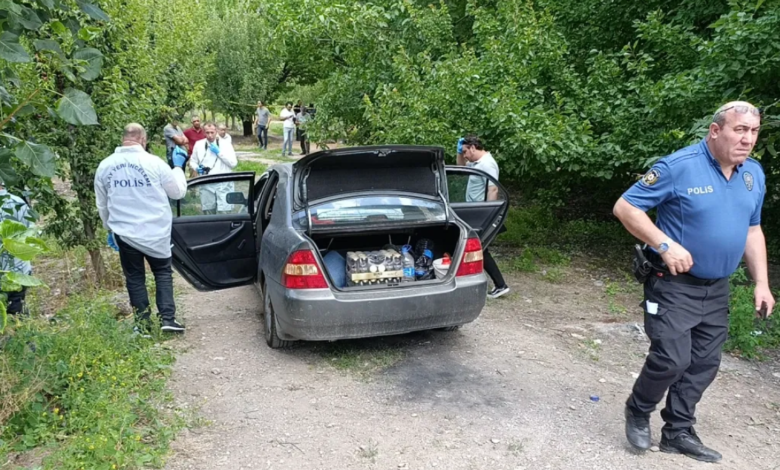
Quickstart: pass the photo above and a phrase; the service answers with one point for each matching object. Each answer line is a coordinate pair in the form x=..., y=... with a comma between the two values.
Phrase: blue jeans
x=135, y=278
x=289, y=136
x=262, y=136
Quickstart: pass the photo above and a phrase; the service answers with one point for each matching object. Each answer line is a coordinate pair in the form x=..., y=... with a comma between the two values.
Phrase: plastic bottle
x=408, y=263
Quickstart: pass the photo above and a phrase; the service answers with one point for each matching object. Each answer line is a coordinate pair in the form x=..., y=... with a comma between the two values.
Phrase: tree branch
x=22, y=104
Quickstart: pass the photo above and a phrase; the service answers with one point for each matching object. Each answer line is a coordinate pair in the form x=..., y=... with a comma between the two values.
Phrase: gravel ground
x=510, y=391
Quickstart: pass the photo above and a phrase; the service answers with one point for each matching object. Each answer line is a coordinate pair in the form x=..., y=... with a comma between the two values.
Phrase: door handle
x=236, y=224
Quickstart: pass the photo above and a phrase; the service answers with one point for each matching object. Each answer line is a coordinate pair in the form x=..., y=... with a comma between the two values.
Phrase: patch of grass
x=516, y=448
x=370, y=452
x=248, y=165
x=363, y=362
x=84, y=387
x=554, y=274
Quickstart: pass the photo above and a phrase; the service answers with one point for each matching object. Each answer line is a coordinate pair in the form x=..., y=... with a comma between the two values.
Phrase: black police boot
x=638, y=430
x=689, y=444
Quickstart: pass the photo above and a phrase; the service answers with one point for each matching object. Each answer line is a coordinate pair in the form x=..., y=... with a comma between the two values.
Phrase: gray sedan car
x=292, y=230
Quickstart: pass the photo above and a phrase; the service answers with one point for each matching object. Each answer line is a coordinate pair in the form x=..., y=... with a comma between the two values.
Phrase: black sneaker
x=498, y=292
x=172, y=326
x=689, y=445
x=637, y=430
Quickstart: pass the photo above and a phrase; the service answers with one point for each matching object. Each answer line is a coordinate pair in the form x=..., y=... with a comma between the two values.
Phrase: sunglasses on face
x=740, y=109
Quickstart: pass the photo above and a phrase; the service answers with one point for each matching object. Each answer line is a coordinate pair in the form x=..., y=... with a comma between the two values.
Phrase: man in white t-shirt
x=213, y=156
x=288, y=117
x=472, y=153
x=132, y=188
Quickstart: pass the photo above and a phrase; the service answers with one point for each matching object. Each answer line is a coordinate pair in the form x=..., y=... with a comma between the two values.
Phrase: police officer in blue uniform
x=709, y=199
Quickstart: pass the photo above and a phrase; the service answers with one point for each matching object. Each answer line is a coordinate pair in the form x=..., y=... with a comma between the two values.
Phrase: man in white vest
x=132, y=188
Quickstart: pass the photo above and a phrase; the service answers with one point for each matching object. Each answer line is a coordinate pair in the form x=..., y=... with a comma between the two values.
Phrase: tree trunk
x=247, y=127
x=233, y=123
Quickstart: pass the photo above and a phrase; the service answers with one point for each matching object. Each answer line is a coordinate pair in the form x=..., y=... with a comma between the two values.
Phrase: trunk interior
x=444, y=239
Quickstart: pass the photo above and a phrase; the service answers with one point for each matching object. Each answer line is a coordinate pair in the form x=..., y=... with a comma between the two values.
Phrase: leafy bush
x=748, y=335
x=538, y=227
x=85, y=387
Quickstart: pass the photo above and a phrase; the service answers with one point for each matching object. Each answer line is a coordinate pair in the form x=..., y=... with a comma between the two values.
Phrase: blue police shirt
x=701, y=210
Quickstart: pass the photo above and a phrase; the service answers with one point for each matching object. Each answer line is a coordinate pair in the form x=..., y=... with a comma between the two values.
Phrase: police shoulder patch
x=748, y=178
x=651, y=177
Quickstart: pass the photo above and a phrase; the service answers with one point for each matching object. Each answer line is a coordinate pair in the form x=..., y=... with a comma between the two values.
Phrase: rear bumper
x=322, y=314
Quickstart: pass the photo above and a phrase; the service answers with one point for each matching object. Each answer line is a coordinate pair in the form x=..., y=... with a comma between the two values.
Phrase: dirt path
x=509, y=391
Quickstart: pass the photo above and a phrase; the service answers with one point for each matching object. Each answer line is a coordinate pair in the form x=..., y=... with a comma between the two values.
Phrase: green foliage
x=539, y=228
x=246, y=165
x=748, y=335
x=86, y=388
x=18, y=241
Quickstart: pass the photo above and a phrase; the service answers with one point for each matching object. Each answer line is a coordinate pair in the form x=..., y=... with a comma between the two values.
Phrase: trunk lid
x=387, y=169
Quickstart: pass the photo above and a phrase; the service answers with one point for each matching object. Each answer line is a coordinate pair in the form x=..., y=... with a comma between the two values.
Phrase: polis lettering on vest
x=134, y=183
x=701, y=190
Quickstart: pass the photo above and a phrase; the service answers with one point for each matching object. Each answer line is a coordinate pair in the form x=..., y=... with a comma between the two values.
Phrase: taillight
x=472, y=258
x=302, y=272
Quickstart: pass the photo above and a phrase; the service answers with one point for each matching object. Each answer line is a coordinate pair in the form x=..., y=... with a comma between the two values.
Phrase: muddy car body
x=279, y=226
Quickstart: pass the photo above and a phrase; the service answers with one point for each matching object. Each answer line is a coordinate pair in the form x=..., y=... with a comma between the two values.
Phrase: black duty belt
x=682, y=278
x=685, y=278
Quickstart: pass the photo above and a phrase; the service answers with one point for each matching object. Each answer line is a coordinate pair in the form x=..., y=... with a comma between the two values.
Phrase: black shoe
x=172, y=326
x=498, y=292
x=690, y=445
x=638, y=430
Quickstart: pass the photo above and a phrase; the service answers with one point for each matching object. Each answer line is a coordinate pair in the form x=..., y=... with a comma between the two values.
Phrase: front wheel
x=271, y=335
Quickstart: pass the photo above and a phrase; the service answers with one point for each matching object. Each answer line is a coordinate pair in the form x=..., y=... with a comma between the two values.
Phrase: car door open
x=483, y=215
x=213, y=235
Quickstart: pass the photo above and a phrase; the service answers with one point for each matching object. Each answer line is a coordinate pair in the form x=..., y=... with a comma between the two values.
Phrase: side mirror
x=236, y=198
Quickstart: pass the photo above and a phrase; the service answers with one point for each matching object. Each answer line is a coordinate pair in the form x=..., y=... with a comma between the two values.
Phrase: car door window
x=470, y=188
x=469, y=196
x=217, y=198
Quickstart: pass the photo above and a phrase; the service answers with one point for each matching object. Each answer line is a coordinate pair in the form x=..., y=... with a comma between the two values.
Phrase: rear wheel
x=269, y=319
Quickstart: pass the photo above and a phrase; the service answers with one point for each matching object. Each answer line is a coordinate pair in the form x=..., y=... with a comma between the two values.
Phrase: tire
x=269, y=322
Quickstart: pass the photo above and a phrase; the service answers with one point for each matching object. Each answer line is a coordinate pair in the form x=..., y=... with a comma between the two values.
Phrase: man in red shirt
x=194, y=134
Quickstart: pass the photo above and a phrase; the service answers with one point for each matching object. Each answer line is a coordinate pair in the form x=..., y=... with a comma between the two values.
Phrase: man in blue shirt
x=709, y=199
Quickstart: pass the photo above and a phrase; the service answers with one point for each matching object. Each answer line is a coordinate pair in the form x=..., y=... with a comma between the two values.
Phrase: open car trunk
x=334, y=249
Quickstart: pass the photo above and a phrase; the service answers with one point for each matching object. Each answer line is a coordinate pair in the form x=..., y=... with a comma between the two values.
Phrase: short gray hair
x=134, y=131
x=209, y=124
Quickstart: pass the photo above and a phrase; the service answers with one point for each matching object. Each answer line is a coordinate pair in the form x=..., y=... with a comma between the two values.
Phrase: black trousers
x=135, y=278
x=262, y=136
x=491, y=268
x=686, y=335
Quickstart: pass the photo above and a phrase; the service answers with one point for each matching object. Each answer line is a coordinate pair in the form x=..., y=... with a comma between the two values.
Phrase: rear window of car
x=362, y=211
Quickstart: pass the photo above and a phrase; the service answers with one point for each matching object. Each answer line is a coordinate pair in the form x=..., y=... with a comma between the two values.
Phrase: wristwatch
x=664, y=246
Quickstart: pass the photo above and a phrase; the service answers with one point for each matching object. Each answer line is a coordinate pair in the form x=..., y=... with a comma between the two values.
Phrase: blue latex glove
x=460, y=144
x=111, y=242
x=213, y=147
x=179, y=157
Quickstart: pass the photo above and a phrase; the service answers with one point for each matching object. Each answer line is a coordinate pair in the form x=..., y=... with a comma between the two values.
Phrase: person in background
x=223, y=135
x=14, y=208
x=301, y=119
x=287, y=116
x=297, y=108
x=471, y=153
x=174, y=136
x=708, y=198
x=194, y=134
x=132, y=191
x=213, y=156
x=262, y=120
